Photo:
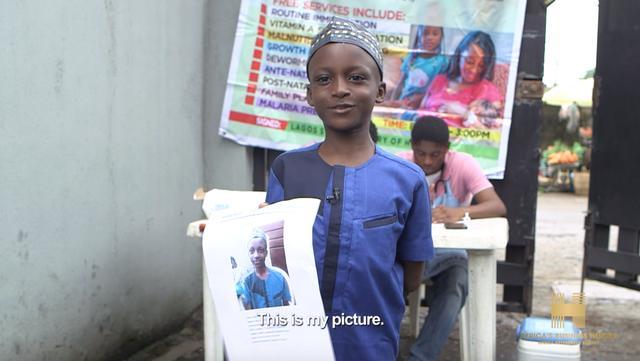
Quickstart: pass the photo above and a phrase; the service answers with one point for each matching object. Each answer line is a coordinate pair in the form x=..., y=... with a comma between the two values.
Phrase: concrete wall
x=227, y=165
x=102, y=112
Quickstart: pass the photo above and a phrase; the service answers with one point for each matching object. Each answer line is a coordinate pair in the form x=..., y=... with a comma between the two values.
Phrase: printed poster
x=263, y=280
x=456, y=59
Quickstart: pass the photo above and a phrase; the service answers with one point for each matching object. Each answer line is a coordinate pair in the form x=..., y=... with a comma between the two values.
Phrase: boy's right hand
x=442, y=214
x=263, y=204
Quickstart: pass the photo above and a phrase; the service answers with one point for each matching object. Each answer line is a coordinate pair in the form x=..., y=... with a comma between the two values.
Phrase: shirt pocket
x=380, y=221
x=376, y=238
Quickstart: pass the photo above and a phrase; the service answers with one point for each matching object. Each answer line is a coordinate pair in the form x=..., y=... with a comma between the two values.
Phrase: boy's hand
x=263, y=204
x=412, y=275
x=442, y=214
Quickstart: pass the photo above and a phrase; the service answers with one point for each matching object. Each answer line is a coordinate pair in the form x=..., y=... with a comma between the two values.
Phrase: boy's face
x=429, y=155
x=258, y=252
x=344, y=86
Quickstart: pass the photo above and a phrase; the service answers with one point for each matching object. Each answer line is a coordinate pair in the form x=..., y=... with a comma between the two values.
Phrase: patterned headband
x=340, y=30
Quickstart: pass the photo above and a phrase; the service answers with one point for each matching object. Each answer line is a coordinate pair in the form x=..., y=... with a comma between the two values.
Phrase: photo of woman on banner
x=421, y=65
x=466, y=96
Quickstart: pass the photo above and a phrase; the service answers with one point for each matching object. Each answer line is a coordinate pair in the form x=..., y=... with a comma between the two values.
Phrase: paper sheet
x=221, y=203
x=280, y=317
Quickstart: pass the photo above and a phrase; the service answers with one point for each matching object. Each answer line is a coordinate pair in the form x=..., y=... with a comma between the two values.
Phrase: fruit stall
x=563, y=168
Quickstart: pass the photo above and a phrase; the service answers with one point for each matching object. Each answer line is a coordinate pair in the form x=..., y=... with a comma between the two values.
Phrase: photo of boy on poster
x=468, y=90
x=263, y=284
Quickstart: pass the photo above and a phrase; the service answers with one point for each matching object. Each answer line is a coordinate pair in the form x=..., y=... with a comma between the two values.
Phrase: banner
x=456, y=59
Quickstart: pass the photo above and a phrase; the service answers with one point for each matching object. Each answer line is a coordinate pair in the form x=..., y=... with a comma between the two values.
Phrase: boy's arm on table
x=488, y=205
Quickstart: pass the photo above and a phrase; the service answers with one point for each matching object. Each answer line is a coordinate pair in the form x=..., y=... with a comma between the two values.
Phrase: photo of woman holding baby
x=465, y=95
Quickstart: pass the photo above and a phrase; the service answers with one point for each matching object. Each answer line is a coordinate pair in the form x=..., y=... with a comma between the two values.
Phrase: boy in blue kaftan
x=265, y=286
x=372, y=232
x=270, y=292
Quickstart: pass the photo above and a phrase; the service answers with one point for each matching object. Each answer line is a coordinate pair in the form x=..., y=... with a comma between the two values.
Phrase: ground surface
x=558, y=262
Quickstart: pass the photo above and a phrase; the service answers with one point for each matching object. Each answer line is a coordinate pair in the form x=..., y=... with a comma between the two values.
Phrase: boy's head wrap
x=258, y=233
x=340, y=30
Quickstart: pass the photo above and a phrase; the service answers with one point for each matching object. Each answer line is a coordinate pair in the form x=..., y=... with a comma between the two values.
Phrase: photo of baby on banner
x=458, y=75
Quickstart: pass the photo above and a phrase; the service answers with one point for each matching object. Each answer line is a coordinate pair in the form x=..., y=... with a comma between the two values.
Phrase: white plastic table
x=478, y=316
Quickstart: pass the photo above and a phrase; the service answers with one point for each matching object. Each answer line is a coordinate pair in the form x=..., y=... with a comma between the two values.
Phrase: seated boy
x=370, y=237
x=454, y=179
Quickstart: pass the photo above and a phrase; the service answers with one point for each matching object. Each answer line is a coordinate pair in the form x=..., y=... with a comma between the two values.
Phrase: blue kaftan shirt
x=270, y=292
x=370, y=218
